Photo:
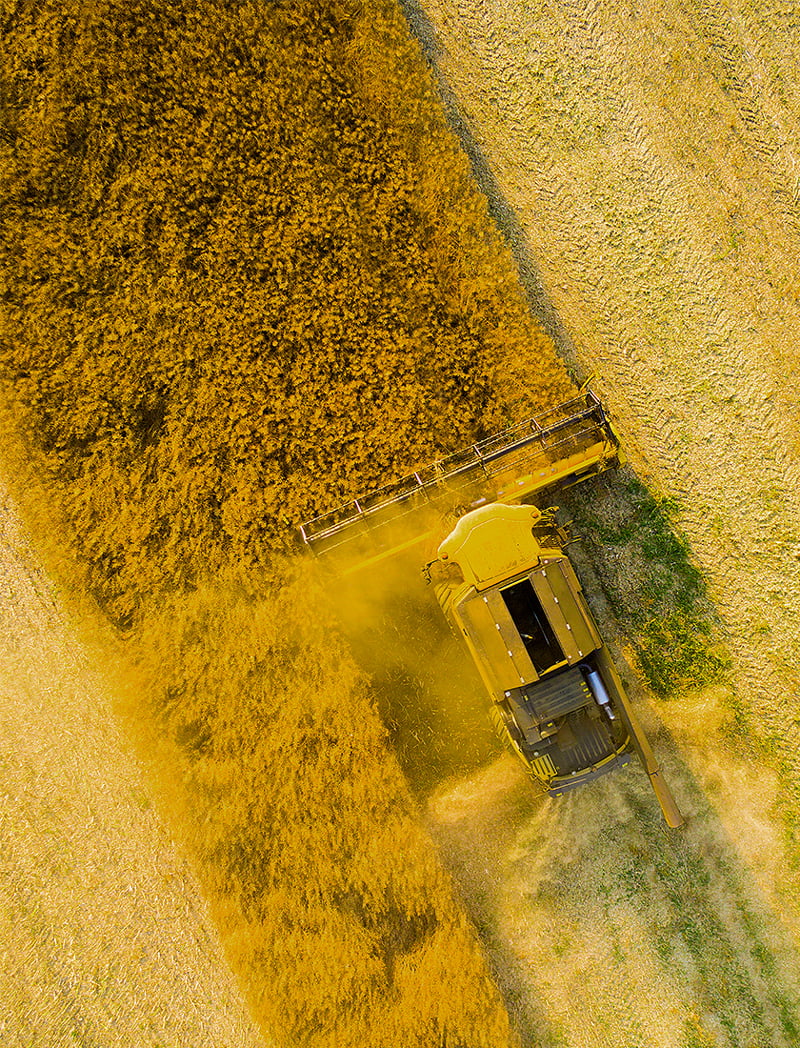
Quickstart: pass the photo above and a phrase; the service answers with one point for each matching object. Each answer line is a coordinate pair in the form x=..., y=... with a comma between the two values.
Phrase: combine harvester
x=506, y=585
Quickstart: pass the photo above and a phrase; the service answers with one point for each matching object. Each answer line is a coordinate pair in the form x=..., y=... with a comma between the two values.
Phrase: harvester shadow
x=694, y=909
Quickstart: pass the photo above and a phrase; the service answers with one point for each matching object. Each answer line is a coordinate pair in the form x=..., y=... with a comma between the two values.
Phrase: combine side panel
x=567, y=613
x=491, y=633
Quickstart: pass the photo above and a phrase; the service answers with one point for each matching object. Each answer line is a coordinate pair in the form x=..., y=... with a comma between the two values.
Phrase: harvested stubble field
x=643, y=160
x=106, y=939
x=251, y=275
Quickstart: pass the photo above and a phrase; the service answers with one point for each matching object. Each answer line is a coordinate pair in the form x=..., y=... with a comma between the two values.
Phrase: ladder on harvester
x=557, y=448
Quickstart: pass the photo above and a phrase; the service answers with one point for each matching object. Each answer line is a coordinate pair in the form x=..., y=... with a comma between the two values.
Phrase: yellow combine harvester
x=505, y=583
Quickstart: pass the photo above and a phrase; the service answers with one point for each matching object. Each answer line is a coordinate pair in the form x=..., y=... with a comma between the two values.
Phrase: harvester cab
x=506, y=585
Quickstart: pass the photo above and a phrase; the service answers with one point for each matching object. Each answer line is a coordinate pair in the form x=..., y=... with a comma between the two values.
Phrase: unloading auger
x=505, y=583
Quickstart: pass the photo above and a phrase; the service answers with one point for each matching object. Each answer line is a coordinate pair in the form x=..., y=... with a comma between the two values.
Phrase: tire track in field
x=745, y=78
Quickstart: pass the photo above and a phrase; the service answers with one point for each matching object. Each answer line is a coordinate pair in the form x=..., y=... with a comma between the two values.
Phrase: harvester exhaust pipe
x=598, y=689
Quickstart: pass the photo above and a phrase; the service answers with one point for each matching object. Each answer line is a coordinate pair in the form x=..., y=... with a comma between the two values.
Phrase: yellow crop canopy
x=493, y=543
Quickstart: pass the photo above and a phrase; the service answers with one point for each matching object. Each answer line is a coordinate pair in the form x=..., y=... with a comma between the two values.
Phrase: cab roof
x=493, y=543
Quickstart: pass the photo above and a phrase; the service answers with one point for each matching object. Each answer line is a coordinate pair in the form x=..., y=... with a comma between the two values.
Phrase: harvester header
x=557, y=448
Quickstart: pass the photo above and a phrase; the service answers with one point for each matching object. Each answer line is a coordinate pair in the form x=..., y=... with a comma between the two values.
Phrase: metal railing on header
x=552, y=436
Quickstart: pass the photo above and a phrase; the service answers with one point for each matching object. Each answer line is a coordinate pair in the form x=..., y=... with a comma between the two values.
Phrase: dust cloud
x=604, y=927
x=426, y=686
x=600, y=924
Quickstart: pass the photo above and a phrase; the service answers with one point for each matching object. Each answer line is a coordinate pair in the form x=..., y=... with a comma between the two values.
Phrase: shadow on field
x=501, y=211
x=589, y=898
